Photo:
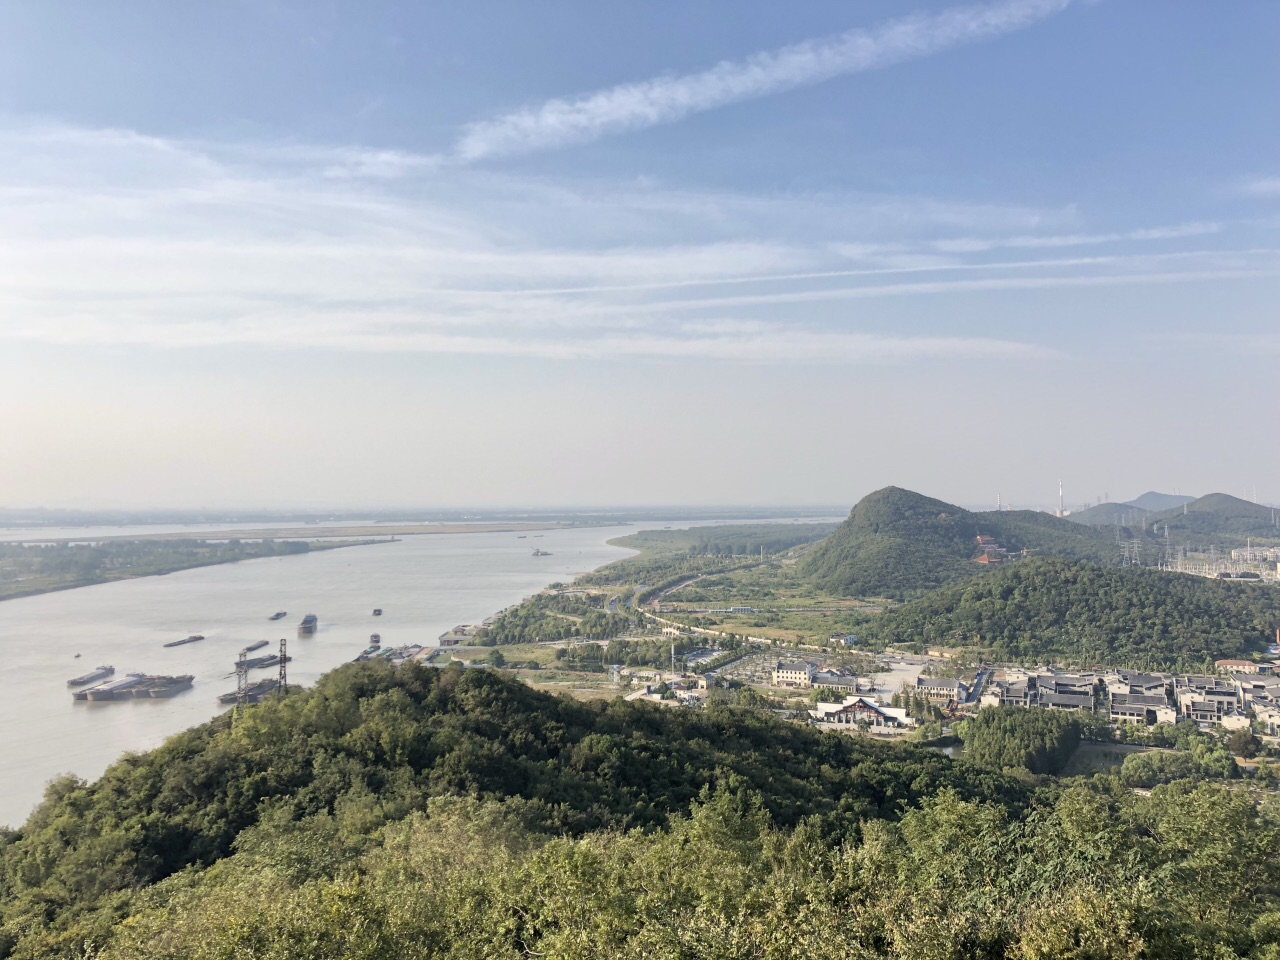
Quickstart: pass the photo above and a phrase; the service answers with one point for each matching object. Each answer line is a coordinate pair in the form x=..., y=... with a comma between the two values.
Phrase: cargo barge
x=136, y=686
x=309, y=624
x=278, y=615
x=256, y=645
x=93, y=676
x=194, y=638
x=268, y=661
x=253, y=693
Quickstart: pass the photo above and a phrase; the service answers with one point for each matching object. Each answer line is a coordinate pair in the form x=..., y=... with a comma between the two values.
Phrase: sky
x=276, y=253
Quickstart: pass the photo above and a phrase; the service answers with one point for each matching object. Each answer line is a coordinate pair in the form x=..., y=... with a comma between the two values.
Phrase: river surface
x=424, y=584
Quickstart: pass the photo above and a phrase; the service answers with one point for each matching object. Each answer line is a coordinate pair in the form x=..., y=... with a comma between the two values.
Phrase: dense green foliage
x=897, y=544
x=1095, y=874
x=1041, y=741
x=1205, y=759
x=558, y=616
x=370, y=744
x=1080, y=612
x=31, y=568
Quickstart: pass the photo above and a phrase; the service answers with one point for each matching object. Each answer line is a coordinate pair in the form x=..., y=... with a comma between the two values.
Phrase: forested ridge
x=371, y=744
x=1080, y=612
x=459, y=814
x=899, y=544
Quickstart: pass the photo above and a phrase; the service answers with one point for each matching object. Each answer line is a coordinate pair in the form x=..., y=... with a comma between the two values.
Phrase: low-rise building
x=940, y=690
x=835, y=682
x=854, y=709
x=1243, y=666
x=1141, y=708
x=1064, y=701
x=1209, y=701
x=793, y=673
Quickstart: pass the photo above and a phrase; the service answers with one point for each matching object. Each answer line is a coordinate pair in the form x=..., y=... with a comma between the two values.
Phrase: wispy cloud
x=648, y=103
x=112, y=238
x=982, y=244
x=1261, y=187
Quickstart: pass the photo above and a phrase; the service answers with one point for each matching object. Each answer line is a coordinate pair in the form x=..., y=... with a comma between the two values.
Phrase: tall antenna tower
x=1060, y=510
x=242, y=682
x=284, y=667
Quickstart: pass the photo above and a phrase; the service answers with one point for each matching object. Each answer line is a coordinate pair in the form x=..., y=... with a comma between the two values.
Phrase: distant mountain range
x=1216, y=518
x=897, y=543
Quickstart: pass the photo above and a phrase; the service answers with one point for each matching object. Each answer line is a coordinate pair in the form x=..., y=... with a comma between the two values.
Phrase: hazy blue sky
x=267, y=252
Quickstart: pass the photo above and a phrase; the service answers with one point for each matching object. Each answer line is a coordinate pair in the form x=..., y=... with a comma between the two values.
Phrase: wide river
x=424, y=585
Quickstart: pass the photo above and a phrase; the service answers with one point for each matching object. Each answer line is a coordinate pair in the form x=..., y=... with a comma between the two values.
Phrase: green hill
x=1108, y=515
x=370, y=744
x=1051, y=609
x=1154, y=501
x=1219, y=519
x=896, y=543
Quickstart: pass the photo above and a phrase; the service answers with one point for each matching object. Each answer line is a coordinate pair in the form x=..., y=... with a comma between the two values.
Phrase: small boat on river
x=278, y=615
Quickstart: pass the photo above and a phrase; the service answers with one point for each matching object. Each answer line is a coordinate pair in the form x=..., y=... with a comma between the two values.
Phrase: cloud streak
x=635, y=106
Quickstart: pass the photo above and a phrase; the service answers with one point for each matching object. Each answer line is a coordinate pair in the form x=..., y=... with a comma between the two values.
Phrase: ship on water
x=270, y=660
x=136, y=686
x=254, y=692
x=540, y=553
x=377, y=611
x=279, y=615
x=256, y=645
x=157, y=688
x=112, y=690
x=93, y=676
x=194, y=638
x=309, y=623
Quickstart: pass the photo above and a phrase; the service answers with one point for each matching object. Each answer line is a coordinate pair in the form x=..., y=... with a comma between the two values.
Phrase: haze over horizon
x=388, y=254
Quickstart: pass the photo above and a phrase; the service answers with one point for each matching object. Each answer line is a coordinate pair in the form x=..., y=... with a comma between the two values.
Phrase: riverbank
x=32, y=570
x=311, y=532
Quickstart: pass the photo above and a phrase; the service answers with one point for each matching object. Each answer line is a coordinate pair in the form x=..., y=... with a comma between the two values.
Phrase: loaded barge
x=253, y=693
x=268, y=661
x=136, y=686
x=308, y=624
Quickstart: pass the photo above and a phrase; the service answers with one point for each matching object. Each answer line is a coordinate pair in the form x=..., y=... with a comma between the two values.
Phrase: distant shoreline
x=316, y=532
x=314, y=546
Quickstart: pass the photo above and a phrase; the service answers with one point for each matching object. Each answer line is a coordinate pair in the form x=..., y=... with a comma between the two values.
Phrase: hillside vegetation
x=896, y=543
x=1080, y=612
x=458, y=814
x=315, y=775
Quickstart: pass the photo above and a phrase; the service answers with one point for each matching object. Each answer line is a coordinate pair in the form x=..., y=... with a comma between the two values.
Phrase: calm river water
x=424, y=584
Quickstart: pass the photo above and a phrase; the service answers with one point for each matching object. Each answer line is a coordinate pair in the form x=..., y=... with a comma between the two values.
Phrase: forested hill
x=1052, y=609
x=896, y=543
x=460, y=815
x=369, y=744
x=1218, y=518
